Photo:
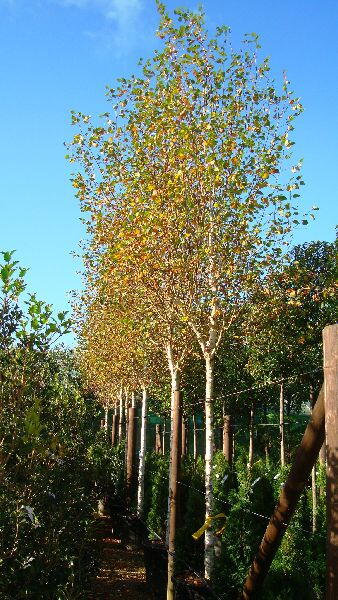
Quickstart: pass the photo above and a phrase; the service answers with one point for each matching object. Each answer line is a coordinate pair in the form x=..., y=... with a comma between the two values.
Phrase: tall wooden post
x=281, y=425
x=158, y=444
x=330, y=342
x=130, y=452
x=227, y=438
x=175, y=452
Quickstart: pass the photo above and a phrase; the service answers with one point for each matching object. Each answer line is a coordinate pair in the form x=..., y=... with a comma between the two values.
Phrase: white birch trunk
x=106, y=419
x=281, y=425
x=175, y=386
x=251, y=438
x=142, y=455
x=209, y=452
x=195, y=437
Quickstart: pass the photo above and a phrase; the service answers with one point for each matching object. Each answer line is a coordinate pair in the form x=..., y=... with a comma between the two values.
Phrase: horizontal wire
x=227, y=503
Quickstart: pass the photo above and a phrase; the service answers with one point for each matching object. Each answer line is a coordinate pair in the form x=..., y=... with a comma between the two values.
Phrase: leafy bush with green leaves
x=48, y=432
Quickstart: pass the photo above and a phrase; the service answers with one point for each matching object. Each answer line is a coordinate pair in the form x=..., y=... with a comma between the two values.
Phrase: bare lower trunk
x=175, y=455
x=142, y=455
x=313, y=475
x=314, y=498
x=184, y=438
x=209, y=452
x=106, y=419
x=114, y=427
x=175, y=385
x=251, y=437
x=281, y=425
x=163, y=437
x=158, y=445
x=195, y=437
x=227, y=438
x=130, y=453
x=120, y=415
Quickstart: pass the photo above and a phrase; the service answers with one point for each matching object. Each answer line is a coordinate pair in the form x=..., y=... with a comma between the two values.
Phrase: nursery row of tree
x=189, y=210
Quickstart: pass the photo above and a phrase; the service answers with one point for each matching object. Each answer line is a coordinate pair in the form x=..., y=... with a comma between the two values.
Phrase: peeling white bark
x=142, y=455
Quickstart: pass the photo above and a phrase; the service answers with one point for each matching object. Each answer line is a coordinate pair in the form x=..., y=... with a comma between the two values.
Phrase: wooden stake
x=300, y=471
x=227, y=438
x=158, y=444
x=174, y=475
x=330, y=342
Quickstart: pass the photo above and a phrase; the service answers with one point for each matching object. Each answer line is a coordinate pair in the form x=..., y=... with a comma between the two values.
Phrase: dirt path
x=122, y=573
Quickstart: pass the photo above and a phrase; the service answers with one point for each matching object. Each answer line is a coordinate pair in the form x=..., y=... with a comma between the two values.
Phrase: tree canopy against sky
x=59, y=55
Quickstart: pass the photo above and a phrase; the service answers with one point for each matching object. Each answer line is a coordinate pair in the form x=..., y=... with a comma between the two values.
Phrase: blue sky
x=58, y=55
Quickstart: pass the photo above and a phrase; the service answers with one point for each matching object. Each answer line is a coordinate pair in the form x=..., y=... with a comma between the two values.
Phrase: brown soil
x=122, y=573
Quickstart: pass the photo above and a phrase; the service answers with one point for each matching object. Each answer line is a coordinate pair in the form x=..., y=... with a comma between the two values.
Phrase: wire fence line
x=227, y=503
x=258, y=386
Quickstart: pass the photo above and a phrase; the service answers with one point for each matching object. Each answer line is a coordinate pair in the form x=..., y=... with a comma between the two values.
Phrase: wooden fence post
x=158, y=443
x=227, y=438
x=174, y=475
x=330, y=342
x=303, y=462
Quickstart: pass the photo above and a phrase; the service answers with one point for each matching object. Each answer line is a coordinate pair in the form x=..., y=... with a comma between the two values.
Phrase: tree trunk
x=126, y=413
x=330, y=340
x=175, y=453
x=195, y=437
x=114, y=428
x=175, y=386
x=209, y=452
x=227, y=438
x=130, y=453
x=184, y=438
x=290, y=494
x=251, y=437
x=142, y=455
x=281, y=425
x=313, y=476
x=158, y=445
x=121, y=414
x=106, y=419
x=163, y=437
x=322, y=454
